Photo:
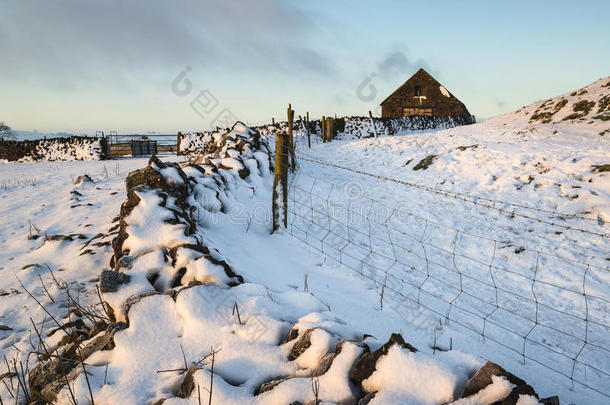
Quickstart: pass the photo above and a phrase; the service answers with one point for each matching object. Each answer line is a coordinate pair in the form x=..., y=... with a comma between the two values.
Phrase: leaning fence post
x=279, y=205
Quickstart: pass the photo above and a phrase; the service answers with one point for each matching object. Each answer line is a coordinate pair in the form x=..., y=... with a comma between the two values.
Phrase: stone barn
x=422, y=95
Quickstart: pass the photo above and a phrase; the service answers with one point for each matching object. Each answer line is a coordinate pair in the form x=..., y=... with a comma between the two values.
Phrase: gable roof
x=421, y=74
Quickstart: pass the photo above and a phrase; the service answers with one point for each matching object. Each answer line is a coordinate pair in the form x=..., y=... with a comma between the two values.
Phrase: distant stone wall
x=62, y=149
x=363, y=127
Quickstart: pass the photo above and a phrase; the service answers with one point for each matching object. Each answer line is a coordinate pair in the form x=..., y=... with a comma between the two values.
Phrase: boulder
x=269, y=385
x=368, y=398
x=293, y=334
x=301, y=345
x=98, y=327
x=46, y=373
x=110, y=281
x=482, y=378
x=366, y=364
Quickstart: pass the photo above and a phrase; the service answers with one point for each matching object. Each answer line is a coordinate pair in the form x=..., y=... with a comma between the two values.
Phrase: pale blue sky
x=81, y=66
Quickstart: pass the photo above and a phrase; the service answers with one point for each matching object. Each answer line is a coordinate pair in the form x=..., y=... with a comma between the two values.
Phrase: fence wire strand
x=558, y=322
x=469, y=198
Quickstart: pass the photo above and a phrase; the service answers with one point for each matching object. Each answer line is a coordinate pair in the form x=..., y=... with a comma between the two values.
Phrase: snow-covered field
x=538, y=194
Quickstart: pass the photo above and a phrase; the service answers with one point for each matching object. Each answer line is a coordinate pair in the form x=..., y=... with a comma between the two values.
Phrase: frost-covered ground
x=289, y=284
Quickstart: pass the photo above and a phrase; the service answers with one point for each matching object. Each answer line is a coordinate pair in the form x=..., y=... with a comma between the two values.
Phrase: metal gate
x=132, y=145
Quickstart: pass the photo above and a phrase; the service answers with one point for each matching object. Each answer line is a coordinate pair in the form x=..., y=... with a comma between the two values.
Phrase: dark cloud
x=396, y=64
x=68, y=42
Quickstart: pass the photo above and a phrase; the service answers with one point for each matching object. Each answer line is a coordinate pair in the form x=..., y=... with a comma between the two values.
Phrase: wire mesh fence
x=540, y=306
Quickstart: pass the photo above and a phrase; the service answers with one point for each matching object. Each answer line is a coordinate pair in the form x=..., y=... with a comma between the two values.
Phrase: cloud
x=500, y=103
x=74, y=42
x=396, y=64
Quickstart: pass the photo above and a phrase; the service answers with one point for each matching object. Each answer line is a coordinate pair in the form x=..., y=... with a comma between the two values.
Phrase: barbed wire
x=450, y=276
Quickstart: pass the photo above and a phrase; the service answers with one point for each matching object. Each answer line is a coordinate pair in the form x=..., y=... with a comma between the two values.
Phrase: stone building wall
x=423, y=95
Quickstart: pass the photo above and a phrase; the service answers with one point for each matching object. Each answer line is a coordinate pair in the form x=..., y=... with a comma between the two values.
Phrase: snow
x=496, y=391
x=402, y=376
x=444, y=91
x=338, y=303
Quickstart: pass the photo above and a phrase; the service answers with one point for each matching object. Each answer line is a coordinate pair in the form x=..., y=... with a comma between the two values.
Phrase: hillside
x=409, y=262
x=590, y=104
x=553, y=170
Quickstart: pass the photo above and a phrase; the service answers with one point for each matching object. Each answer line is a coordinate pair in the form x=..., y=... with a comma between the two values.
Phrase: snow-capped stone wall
x=208, y=142
x=238, y=143
x=157, y=247
x=365, y=127
x=64, y=149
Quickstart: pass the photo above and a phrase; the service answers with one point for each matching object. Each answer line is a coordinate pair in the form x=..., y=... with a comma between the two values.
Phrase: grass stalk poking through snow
x=236, y=311
x=315, y=387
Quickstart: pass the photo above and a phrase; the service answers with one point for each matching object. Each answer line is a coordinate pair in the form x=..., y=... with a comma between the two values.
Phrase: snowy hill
x=591, y=104
x=486, y=242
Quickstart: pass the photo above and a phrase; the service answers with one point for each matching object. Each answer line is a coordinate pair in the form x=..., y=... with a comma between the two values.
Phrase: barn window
x=418, y=91
x=411, y=111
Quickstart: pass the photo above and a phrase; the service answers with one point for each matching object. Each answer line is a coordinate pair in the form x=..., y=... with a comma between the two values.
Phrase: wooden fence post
x=178, y=139
x=323, y=128
x=293, y=164
x=272, y=121
x=373, y=123
x=280, y=182
x=308, y=135
x=105, y=148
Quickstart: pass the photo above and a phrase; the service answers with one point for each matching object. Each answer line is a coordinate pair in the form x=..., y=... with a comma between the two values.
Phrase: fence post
x=308, y=135
x=373, y=123
x=178, y=139
x=105, y=148
x=273, y=121
x=293, y=164
x=323, y=128
x=279, y=207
